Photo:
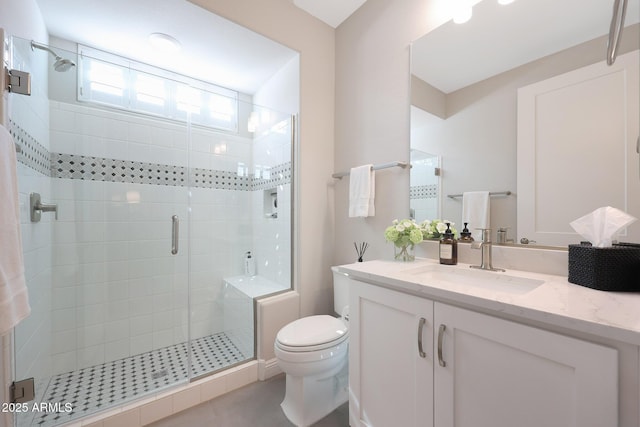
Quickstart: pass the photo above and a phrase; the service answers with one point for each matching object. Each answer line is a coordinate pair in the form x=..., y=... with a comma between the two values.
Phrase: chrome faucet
x=485, y=248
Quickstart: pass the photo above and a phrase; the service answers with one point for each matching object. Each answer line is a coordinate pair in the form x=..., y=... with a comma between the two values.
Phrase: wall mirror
x=465, y=83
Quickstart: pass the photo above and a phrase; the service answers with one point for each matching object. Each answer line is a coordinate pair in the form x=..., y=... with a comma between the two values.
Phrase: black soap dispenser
x=465, y=234
x=448, y=247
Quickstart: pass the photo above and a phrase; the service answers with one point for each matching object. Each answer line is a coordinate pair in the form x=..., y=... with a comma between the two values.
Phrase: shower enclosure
x=158, y=186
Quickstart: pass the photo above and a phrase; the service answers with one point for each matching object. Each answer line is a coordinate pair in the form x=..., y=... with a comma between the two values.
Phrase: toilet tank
x=340, y=290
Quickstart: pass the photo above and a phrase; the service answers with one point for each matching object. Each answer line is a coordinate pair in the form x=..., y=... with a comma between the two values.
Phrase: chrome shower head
x=61, y=64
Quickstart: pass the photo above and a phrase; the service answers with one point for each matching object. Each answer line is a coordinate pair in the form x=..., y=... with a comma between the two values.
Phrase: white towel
x=476, y=210
x=14, y=299
x=362, y=189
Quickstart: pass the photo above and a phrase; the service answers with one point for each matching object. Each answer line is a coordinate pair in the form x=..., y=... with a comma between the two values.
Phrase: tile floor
x=102, y=386
x=255, y=405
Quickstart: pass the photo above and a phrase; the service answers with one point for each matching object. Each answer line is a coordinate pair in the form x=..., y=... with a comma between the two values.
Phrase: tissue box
x=616, y=268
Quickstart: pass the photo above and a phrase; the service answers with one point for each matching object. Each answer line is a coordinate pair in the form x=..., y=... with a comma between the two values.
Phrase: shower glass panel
x=115, y=314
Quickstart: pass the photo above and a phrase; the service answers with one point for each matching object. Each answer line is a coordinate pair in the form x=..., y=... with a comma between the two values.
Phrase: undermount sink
x=464, y=276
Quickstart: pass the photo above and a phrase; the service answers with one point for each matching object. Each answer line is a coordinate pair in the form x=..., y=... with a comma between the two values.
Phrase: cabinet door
x=390, y=379
x=503, y=374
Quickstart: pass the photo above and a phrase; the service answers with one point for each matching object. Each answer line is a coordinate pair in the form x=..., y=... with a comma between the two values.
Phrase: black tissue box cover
x=616, y=268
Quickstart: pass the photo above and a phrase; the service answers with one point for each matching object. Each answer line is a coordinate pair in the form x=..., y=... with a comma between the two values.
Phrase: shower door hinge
x=18, y=81
x=22, y=391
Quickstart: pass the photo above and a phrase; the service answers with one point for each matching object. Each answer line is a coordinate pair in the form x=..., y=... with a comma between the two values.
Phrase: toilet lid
x=312, y=331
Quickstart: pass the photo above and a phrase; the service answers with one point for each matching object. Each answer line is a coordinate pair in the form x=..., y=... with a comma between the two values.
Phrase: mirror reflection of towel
x=362, y=189
x=476, y=210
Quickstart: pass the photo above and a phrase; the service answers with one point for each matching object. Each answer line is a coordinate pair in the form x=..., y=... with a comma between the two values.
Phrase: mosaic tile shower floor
x=99, y=387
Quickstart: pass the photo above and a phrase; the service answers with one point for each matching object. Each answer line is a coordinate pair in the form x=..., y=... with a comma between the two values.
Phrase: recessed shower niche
x=270, y=203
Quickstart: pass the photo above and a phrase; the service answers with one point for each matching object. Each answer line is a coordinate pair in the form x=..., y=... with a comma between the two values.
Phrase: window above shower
x=117, y=82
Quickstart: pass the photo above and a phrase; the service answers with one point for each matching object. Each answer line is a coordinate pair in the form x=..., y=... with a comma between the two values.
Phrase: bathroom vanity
x=441, y=346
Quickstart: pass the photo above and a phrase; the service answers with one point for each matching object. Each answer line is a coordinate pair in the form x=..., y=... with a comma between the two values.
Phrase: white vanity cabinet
x=499, y=373
x=390, y=373
x=474, y=370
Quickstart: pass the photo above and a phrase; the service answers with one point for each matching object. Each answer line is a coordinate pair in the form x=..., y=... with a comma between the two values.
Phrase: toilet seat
x=312, y=333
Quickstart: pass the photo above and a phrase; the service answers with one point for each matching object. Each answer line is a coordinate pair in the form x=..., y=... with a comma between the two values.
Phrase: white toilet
x=313, y=353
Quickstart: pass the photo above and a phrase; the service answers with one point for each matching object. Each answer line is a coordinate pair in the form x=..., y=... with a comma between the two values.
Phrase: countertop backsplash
x=545, y=261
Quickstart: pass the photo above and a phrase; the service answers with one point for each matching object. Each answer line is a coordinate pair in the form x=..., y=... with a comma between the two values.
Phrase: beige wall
x=372, y=113
x=281, y=21
x=373, y=121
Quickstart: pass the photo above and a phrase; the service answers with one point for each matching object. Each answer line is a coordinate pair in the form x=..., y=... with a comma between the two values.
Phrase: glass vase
x=404, y=253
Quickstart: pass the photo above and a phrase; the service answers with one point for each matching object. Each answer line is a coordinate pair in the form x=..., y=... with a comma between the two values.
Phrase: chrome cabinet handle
x=441, y=330
x=175, y=234
x=420, y=328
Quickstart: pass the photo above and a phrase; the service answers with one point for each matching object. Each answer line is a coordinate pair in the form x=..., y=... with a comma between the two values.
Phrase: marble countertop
x=556, y=302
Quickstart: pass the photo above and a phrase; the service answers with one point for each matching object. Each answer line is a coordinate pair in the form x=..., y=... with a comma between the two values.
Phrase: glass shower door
x=142, y=282
x=109, y=300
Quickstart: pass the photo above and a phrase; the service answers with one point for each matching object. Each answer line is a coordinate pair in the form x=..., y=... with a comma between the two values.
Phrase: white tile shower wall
x=220, y=234
x=272, y=236
x=117, y=289
x=88, y=131
x=31, y=115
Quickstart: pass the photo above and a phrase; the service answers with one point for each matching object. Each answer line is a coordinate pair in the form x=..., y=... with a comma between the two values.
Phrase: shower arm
x=35, y=45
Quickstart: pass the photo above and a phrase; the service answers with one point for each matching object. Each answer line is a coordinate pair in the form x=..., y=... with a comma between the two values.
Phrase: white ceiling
x=213, y=49
x=332, y=12
x=499, y=38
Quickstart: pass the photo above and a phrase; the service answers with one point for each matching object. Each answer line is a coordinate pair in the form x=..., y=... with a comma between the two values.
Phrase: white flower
x=394, y=222
x=406, y=224
x=441, y=227
x=400, y=228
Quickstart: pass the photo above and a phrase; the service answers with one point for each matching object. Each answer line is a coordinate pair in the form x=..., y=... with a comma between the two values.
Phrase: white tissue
x=600, y=226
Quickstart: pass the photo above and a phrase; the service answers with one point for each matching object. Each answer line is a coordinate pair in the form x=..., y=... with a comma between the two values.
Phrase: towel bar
x=339, y=175
x=496, y=193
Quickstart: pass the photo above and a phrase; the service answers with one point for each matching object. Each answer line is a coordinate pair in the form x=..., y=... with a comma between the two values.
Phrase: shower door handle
x=175, y=234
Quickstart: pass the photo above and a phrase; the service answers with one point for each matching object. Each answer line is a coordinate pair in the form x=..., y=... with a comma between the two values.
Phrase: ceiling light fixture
x=164, y=42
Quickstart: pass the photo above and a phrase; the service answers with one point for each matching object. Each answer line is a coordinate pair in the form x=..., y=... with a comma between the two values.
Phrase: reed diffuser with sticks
x=361, y=249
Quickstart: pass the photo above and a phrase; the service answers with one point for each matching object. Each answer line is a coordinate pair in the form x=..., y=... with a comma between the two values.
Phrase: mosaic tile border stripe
x=206, y=178
x=278, y=175
x=423, y=192
x=33, y=154
x=71, y=166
